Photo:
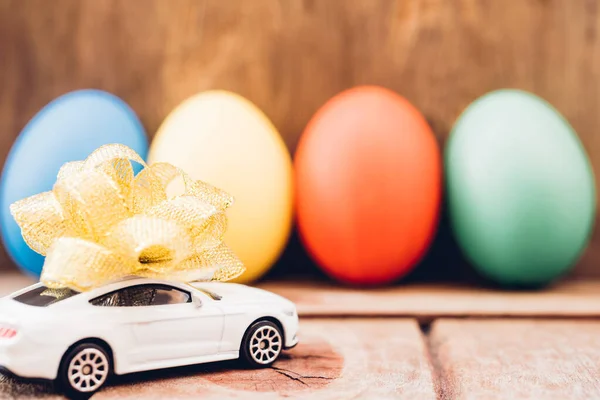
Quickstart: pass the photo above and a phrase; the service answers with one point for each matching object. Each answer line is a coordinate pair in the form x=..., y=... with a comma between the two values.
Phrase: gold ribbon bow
x=101, y=223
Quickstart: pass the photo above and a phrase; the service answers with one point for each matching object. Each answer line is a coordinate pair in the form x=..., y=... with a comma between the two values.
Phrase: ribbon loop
x=41, y=220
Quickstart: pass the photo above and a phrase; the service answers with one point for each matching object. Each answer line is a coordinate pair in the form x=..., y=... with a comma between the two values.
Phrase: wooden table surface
x=405, y=342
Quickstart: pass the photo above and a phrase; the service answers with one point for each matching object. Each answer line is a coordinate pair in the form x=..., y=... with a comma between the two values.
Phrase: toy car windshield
x=42, y=296
x=209, y=293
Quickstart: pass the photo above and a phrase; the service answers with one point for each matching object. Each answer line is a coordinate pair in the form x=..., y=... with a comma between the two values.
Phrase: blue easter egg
x=67, y=129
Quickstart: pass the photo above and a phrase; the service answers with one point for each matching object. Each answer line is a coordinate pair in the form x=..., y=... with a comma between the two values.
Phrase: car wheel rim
x=88, y=370
x=265, y=345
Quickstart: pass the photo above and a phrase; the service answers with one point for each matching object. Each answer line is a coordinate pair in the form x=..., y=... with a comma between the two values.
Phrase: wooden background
x=290, y=56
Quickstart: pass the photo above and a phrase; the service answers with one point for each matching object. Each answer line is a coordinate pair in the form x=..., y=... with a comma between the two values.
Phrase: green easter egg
x=521, y=191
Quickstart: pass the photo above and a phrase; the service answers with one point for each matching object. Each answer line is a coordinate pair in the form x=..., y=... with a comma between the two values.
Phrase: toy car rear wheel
x=262, y=344
x=84, y=370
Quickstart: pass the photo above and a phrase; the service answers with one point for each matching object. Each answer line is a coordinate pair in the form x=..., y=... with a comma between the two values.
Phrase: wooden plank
x=336, y=359
x=13, y=281
x=290, y=56
x=568, y=299
x=427, y=302
x=516, y=359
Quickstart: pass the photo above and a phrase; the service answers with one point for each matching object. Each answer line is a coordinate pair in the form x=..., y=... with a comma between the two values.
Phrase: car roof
x=133, y=281
x=128, y=282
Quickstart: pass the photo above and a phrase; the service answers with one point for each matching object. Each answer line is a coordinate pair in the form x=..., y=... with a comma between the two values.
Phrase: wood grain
x=510, y=359
x=390, y=358
x=336, y=359
x=290, y=56
x=570, y=299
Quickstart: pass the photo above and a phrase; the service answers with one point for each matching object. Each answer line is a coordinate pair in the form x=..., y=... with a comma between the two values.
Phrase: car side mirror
x=196, y=301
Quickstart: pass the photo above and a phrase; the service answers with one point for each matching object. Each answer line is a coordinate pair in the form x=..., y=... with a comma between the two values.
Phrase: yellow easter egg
x=225, y=140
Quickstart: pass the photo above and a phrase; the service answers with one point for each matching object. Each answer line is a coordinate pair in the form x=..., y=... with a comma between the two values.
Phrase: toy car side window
x=142, y=296
x=170, y=295
x=134, y=296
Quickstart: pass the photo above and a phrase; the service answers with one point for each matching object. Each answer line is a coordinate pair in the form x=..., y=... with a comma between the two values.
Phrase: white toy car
x=79, y=339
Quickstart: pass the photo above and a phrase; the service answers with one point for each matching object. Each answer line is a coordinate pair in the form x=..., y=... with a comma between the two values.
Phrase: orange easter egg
x=368, y=177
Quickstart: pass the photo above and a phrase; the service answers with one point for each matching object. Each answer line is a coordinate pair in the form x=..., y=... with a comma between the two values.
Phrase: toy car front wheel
x=84, y=370
x=262, y=344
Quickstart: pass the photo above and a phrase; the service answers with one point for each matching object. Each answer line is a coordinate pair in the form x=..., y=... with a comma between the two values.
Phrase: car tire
x=262, y=344
x=83, y=370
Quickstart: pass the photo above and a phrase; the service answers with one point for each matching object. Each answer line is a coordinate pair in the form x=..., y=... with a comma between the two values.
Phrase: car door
x=169, y=328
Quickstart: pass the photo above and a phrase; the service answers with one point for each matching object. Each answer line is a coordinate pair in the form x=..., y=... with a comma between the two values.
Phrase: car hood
x=237, y=293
